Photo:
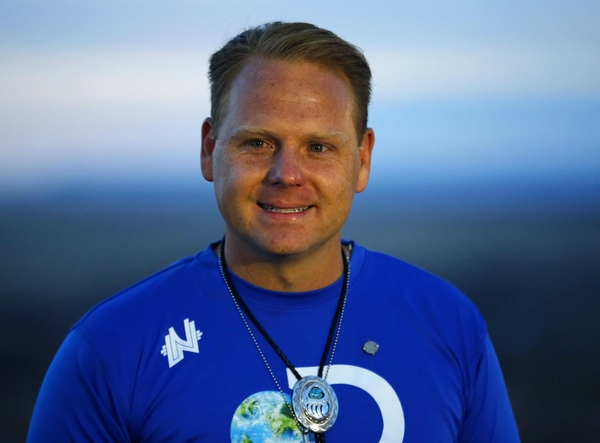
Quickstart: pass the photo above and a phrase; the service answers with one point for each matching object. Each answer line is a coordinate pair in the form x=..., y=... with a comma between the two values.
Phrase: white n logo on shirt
x=174, y=346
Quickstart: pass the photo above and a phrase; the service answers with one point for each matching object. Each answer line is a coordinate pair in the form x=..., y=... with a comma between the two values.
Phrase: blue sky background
x=110, y=92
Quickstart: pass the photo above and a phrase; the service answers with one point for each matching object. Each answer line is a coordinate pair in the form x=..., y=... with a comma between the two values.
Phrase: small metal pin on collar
x=370, y=347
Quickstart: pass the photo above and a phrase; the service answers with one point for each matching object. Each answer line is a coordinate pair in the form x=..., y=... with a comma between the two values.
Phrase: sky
x=110, y=92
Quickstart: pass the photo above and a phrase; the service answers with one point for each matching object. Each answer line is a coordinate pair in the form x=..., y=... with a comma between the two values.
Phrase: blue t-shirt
x=170, y=360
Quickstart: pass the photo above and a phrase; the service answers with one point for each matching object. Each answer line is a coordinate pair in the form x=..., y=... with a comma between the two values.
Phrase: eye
x=317, y=147
x=256, y=143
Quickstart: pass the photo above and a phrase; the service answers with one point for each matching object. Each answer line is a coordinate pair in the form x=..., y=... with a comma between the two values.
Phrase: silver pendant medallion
x=315, y=404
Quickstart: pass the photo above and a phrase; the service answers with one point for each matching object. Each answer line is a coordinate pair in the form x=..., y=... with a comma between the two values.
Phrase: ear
x=364, y=151
x=208, y=147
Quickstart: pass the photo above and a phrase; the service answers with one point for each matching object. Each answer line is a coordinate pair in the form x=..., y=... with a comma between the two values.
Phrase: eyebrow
x=244, y=131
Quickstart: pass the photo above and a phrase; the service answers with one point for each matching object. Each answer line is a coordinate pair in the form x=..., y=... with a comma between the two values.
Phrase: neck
x=300, y=272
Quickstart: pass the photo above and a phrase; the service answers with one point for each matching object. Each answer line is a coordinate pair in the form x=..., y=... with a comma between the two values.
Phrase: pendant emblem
x=315, y=404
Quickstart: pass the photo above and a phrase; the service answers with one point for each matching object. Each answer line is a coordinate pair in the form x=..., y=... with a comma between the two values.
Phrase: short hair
x=293, y=42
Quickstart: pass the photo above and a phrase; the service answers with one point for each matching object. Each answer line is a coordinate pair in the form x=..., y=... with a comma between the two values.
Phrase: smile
x=284, y=210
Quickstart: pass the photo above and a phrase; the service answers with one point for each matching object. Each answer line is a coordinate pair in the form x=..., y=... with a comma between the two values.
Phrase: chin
x=279, y=244
x=282, y=249
x=293, y=246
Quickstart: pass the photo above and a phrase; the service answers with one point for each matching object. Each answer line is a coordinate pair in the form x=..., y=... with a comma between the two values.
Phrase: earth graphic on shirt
x=264, y=418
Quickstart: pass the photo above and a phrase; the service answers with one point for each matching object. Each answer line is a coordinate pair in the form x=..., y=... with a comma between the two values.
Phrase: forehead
x=302, y=89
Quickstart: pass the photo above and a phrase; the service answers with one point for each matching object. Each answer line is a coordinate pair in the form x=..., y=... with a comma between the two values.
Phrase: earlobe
x=365, y=152
x=206, y=152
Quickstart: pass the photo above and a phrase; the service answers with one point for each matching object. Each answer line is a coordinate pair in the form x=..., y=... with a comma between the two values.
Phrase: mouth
x=284, y=210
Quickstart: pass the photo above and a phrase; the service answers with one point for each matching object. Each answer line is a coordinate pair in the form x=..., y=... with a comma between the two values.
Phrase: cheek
x=338, y=189
x=225, y=184
x=235, y=182
x=225, y=171
x=348, y=176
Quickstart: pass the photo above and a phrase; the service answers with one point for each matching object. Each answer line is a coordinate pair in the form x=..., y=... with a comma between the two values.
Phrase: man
x=281, y=331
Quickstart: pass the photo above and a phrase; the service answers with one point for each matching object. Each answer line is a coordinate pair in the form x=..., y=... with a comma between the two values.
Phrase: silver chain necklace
x=314, y=403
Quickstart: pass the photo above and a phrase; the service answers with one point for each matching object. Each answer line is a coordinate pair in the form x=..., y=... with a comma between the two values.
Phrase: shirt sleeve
x=77, y=402
x=489, y=417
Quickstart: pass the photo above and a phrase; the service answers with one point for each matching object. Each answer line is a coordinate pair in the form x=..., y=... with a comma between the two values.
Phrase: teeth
x=285, y=211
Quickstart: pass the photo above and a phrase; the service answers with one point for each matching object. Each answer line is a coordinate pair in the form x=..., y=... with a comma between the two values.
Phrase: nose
x=285, y=168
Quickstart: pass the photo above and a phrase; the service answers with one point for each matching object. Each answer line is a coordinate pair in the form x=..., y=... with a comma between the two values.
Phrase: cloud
x=102, y=76
x=100, y=96
x=107, y=111
x=493, y=71
x=116, y=76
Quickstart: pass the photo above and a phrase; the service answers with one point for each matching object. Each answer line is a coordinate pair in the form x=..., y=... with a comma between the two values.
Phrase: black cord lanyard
x=320, y=437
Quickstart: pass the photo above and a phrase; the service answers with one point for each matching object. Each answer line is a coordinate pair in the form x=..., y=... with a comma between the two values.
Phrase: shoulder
x=393, y=274
x=417, y=293
x=151, y=306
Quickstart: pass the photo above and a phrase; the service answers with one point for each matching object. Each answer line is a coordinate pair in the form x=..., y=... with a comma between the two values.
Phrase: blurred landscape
x=486, y=171
x=528, y=254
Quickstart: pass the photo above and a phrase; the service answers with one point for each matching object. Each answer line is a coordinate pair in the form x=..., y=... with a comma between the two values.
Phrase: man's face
x=286, y=161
